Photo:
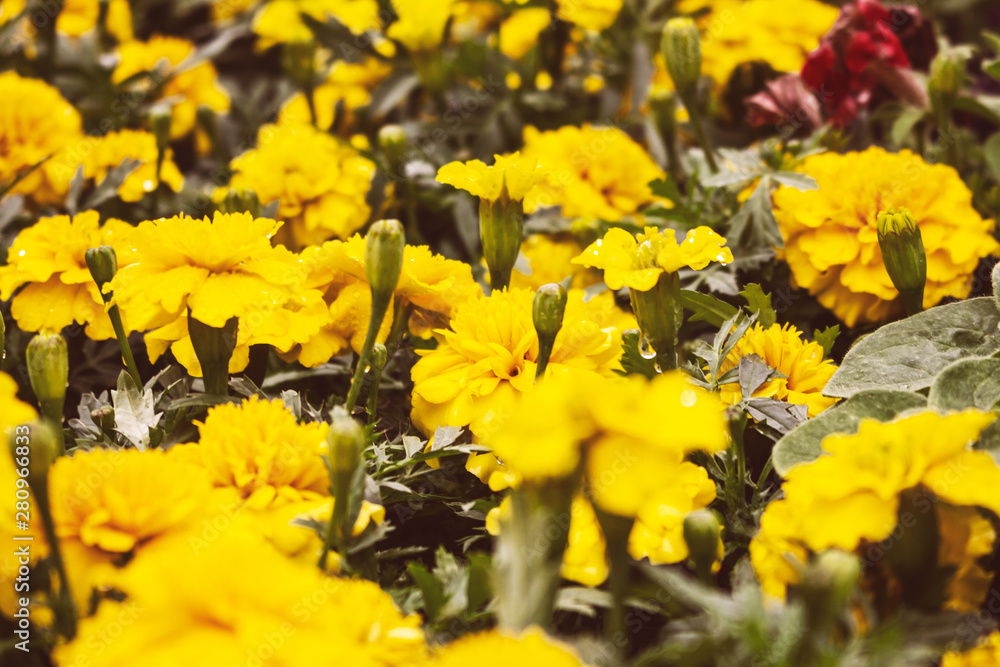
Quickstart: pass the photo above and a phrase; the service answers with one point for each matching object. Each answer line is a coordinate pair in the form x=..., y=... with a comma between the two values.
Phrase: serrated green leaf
x=633, y=363
x=827, y=337
x=793, y=179
x=707, y=307
x=781, y=416
x=908, y=355
x=667, y=188
x=755, y=222
x=752, y=372
x=802, y=445
x=431, y=589
x=760, y=303
x=904, y=124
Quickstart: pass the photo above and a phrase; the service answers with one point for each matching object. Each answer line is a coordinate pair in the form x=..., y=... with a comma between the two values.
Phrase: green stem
x=64, y=607
x=544, y=353
x=616, y=532
x=400, y=325
x=500, y=279
x=335, y=536
x=698, y=128
x=380, y=304
x=737, y=472
x=913, y=301
x=52, y=411
x=116, y=323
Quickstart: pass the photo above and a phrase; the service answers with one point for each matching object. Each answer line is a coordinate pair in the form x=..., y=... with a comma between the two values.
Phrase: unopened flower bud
x=48, y=371
x=345, y=444
x=36, y=451
x=104, y=418
x=701, y=534
x=379, y=357
x=103, y=264
x=903, y=255
x=242, y=200
x=298, y=60
x=392, y=141
x=160, y=118
x=948, y=73
x=681, y=48
x=547, y=313
x=384, y=248
x=826, y=586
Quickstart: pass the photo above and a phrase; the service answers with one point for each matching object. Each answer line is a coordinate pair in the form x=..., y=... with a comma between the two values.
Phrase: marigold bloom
x=519, y=32
x=493, y=648
x=615, y=428
x=99, y=155
x=350, y=83
x=108, y=503
x=429, y=284
x=831, y=239
x=77, y=17
x=985, y=654
x=778, y=32
x=514, y=174
x=591, y=172
x=966, y=538
x=420, y=24
x=217, y=270
x=260, y=460
x=549, y=259
x=35, y=123
x=48, y=259
x=194, y=87
x=638, y=262
x=199, y=604
x=279, y=21
x=320, y=182
x=14, y=411
x=593, y=15
x=800, y=362
x=489, y=355
x=853, y=493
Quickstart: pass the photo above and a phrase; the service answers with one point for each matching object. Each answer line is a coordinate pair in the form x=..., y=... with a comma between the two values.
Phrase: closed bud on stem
x=384, y=248
x=48, y=371
x=298, y=60
x=345, y=443
x=701, y=533
x=948, y=74
x=104, y=419
x=547, y=313
x=160, y=118
x=681, y=48
x=903, y=255
x=103, y=264
x=826, y=586
x=242, y=201
x=501, y=229
x=379, y=357
x=392, y=141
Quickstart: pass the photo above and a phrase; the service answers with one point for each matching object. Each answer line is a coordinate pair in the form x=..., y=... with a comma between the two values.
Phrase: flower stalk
x=616, y=531
x=103, y=264
x=547, y=312
x=660, y=315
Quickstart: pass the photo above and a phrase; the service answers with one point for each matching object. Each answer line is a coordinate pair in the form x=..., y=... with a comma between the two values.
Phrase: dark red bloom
x=861, y=51
x=787, y=104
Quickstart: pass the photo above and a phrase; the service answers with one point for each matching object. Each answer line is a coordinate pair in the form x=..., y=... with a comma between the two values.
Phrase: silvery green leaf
x=134, y=412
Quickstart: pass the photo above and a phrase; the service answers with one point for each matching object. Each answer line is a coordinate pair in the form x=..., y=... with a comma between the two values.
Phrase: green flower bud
x=160, y=118
x=345, y=444
x=903, y=255
x=384, y=248
x=701, y=533
x=104, y=418
x=547, y=313
x=681, y=48
x=214, y=348
x=379, y=357
x=43, y=447
x=501, y=229
x=48, y=371
x=242, y=201
x=392, y=141
x=298, y=59
x=103, y=264
x=948, y=73
x=827, y=584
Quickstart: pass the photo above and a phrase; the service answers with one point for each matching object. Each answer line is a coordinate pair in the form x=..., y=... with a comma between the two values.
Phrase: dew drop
x=656, y=367
x=21, y=254
x=645, y=350
x=148, y=186
x=688, y=398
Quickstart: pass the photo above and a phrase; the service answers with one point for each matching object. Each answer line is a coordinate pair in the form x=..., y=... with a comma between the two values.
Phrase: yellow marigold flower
x=77, y=17
x=852, y=493
x=106, y=504
x=489, y=355
x=638, y=262
x=48, y=259
x=15, y=411
x=493, y=648
x=99, y=155
x=279, y=21
x=778, y=32
x=320, y=182
x=472, y=19
x=591, y=172
x=35, y=123
x=227, y=9
x=511, y=174
x=429, y=284
x=831, y=240
x=519, y=32
x=193, y=87
x=616, y=428
x=590, y=14
x=550, y=260
x=217, y=269
x=186, y=606
x=966, y=537
x=350, y=83
x=985, y=654
x=420, y=24
x=801, y=362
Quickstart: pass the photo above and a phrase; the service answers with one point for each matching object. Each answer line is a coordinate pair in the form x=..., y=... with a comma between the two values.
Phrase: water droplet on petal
x=149, y=186
x=645, y=350
x=21, y=254
x=688, y=398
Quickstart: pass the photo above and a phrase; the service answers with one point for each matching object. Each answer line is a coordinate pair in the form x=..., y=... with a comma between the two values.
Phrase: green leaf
x=827, y=337
x=108, y=188
x=753, y=371
x=667, y=188
x=992, y=67
x=780, y=416
x=793, y=179
x=905, y=122
x=632, y=360
x=135, y=413
x=760, y=303
x=991, y=151
x=909, y=354
x=430, y=587
x=707, y=307
x=803, y=444
x=480, y=588
x=967, y=383
x=755, y=221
